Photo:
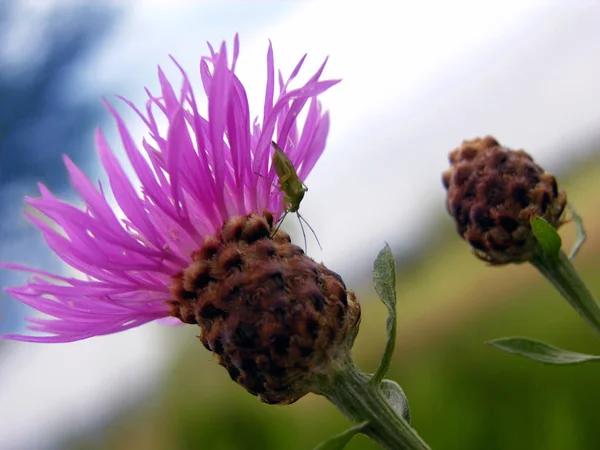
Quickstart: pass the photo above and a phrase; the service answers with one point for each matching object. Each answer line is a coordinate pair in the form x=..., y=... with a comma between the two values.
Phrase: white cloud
x=51, y=389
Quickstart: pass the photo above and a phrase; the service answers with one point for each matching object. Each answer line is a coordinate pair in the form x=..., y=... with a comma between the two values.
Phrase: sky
x=417, y=80
x=38, y=123
x=414, y=85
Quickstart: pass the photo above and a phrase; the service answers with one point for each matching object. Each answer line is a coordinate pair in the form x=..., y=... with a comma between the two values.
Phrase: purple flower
x=193, y=177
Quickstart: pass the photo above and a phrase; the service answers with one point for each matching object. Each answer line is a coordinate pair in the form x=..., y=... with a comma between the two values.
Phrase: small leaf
x=384, y=279
x=341, y=440
x=580, y=235
x=540, y=351
x=547, y=236
x=396, y=398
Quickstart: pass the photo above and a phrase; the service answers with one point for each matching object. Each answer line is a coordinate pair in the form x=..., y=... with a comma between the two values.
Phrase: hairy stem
x=359, y=400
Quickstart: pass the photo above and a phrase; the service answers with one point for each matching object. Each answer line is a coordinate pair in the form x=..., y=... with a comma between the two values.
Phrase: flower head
x=200, y=173
x=275, y=318
x=492, y=194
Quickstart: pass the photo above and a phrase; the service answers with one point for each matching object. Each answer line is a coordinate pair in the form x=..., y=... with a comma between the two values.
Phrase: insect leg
x=267, y=180
x=279, y=222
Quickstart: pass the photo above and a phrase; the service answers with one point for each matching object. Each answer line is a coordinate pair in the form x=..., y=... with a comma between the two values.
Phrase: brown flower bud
x=274, y=317
x=492, y=194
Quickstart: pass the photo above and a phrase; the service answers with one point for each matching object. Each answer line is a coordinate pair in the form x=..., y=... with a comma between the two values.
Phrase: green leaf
x=338, y=442
x=580, y=235
x=396, y=398
x=384, y=279
x=540, y=351
x=547, y=237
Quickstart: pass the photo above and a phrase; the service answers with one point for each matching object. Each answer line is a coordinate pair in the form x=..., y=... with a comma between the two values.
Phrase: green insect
x=292, y=187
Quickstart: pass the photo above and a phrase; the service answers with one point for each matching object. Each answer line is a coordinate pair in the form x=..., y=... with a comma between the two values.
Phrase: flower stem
x=561, y=273
x=359, y=400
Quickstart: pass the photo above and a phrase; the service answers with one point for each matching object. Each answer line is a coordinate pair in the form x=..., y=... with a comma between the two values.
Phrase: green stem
x=386, y=360
x=359, y=400
x=561, y=273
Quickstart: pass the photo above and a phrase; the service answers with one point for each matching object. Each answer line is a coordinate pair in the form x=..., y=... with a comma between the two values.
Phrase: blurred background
x=417, y=80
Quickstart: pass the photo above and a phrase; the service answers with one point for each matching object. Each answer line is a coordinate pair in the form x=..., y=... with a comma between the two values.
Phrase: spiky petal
x=193, y=177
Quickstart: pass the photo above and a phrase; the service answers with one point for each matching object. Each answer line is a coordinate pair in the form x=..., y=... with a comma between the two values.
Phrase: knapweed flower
x=492, y=194
x=197, y=241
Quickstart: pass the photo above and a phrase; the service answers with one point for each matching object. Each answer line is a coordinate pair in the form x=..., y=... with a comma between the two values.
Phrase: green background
x=463, y=394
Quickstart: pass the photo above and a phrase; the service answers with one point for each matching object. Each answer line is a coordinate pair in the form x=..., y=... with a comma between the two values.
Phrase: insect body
x=292, y=187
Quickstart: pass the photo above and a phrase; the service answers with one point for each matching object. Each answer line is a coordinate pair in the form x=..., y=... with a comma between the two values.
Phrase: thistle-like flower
x=197, y=240
x=492, y=194
x=275, y=318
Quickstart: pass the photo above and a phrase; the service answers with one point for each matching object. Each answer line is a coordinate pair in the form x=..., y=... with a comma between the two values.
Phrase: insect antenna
x=302, y=219
x=303, y=233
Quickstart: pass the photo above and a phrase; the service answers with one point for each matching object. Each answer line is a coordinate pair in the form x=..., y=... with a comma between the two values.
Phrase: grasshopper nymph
x=292, y=187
